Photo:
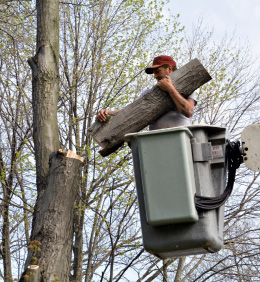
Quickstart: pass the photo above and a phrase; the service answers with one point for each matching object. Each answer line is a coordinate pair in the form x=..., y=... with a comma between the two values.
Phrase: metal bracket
x=201, y=151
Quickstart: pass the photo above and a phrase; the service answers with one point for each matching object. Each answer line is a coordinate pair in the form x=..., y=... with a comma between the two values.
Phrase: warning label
x=217, y=152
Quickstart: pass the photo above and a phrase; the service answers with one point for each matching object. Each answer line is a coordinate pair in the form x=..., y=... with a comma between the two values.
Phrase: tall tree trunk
x=45, y=91
x=45, y=83
x=58, y=173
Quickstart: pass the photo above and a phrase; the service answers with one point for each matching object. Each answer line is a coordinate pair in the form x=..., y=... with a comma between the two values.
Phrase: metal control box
x=207, y=144
x=167, y=175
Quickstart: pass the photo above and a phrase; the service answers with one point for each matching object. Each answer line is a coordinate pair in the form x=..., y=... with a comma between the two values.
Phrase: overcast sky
x=243, y=16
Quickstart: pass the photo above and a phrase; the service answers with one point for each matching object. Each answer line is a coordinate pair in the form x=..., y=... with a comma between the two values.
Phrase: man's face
x=161, y=72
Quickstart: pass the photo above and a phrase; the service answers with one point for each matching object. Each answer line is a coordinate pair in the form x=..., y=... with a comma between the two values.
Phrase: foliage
x=104, y=47
x=16, y=147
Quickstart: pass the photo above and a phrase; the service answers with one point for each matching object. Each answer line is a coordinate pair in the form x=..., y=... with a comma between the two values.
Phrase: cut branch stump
x=32, y=273
x=53, y=223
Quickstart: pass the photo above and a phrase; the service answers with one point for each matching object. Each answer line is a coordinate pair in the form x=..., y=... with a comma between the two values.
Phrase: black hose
x=233, y=158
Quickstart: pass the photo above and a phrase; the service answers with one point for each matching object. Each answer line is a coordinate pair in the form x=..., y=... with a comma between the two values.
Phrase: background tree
x=104, y=46
x=16, y=166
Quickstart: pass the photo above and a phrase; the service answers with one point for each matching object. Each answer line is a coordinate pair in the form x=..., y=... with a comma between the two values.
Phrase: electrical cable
x=233, y=159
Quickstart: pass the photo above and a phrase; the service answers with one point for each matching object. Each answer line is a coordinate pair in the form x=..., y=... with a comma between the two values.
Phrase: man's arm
x=102, y=115
x=185, y=106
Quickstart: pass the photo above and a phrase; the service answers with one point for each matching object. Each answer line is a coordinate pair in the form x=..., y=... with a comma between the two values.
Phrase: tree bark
x=6, y=254
x=45, y=91
x=53, y=228
x=33, y=273
x=78, y=241
x=165, y=271
x=58, y=173
x=180, y=269
x=140, y=113
x=45, y=87
x=7, y=185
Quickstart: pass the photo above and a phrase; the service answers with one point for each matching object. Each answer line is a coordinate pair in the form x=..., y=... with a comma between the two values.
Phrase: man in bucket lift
x=183, y=110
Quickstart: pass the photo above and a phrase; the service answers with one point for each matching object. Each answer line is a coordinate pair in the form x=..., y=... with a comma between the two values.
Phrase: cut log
x=142, y=112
